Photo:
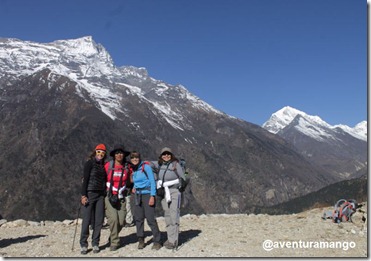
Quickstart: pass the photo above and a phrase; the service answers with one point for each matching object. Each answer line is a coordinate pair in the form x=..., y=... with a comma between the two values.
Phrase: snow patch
x=312, y=126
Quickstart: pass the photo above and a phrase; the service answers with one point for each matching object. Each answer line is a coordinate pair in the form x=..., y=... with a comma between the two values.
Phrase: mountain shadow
x=349, y=189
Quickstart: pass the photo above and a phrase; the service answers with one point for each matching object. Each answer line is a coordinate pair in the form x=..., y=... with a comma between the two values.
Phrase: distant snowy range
x=59, y=99
x=340, y=149
x=312, y=126
x=90, y=65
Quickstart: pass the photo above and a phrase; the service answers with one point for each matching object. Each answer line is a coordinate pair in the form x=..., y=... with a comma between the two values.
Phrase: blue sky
x=247, y=58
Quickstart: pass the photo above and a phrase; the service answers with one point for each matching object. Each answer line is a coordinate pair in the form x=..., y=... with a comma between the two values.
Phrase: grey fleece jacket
x=172, y=169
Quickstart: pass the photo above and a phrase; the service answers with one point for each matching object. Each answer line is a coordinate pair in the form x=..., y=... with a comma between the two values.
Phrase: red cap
x=100, y=147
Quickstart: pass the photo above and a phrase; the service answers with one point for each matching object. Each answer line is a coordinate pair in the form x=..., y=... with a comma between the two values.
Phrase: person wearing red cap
x=92, y=198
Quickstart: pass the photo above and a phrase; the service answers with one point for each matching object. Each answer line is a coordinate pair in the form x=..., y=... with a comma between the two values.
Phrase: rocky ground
x=298, y=235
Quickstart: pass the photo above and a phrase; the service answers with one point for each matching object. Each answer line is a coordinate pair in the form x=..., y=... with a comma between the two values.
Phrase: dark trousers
x=93, y=210
x=144, y=211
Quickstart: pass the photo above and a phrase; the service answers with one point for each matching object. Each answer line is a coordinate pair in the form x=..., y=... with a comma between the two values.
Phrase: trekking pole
x=77, y=221
x=178, y=221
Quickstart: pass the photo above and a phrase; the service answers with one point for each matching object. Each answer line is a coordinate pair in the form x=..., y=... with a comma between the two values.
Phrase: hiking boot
x=169, y=245
x=156, y=246
x=141, y=243
x=84, y=250
x=96, y=249
x=105, y=226
x=113, y=248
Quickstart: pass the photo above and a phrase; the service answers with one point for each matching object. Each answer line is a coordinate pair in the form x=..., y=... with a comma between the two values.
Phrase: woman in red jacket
x=116, y=185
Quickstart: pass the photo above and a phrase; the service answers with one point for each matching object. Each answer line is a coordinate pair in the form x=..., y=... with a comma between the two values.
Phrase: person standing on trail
x=117, y=190
x=169, y=172
x=92, y=198
x=144, y=193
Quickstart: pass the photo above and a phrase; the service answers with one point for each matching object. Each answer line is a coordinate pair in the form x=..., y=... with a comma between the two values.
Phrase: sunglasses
x=166, y=154
x=102, y=152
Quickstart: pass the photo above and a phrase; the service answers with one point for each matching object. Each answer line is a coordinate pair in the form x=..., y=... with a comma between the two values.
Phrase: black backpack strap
x=129, y=184
x=111, y=167
x=163, y=177
x=122, y=174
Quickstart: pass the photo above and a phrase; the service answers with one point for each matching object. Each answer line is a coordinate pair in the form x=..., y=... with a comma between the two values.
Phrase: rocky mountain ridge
x=340, y=149
x=58, y=100
x=285, y=116
x=89, y=64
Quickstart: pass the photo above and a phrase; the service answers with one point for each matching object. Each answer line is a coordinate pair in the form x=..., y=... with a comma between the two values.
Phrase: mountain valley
x=58, y=100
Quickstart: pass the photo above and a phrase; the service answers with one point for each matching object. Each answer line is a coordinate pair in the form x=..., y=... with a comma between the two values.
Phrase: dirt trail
x=297, y=235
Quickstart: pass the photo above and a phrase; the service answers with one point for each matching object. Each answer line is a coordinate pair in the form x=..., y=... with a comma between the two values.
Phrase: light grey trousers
x=172, y=215
x=116, y=220
x=129, y=215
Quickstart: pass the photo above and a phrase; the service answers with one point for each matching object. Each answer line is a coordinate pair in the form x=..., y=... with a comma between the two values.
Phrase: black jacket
x=94, y=177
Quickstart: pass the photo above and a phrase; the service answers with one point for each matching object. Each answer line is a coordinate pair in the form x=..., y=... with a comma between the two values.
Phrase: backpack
x=343, y=211
x=184, y=188
x=183, y=183
x=144, y=171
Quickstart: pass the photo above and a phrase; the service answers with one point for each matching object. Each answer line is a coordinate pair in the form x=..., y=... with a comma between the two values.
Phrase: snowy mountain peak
x=361, y=127
x=88, y=64
x=137, y=72
x=81, y=57
x=359, y=131
x=310, y=125
x=84, y=45
x=285, y=116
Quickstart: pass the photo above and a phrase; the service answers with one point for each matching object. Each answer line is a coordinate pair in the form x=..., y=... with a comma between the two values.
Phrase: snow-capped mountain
x=339, y=148
x=58, y=100
x=312, y=126
x=89, y=64
x=359, y=131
